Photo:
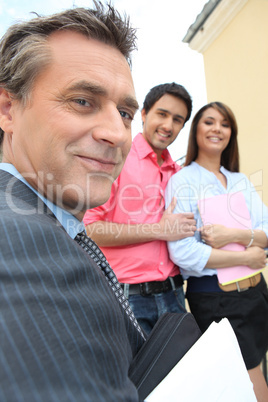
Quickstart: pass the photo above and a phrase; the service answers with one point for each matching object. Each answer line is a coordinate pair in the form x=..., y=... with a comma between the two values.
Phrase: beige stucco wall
x=236, y=68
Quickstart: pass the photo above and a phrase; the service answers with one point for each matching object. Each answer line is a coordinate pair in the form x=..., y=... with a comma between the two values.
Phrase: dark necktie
x=96, y=254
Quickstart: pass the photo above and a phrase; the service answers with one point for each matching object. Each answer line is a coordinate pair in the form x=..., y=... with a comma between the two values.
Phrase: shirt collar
x=70, y=223
x=143, y=150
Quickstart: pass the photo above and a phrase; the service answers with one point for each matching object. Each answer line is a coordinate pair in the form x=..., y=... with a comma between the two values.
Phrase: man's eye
x=125, y=115
x=81, y=102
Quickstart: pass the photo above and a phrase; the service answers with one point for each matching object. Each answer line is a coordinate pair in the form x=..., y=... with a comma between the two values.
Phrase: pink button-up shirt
x=137, y=196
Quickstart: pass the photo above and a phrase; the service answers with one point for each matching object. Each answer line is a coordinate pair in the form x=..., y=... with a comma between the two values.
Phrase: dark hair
x=173, y=89
x=230, y=156
x=24, y=52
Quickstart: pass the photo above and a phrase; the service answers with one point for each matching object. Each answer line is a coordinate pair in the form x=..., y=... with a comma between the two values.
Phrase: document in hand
x=231, y=211
x=213, y=370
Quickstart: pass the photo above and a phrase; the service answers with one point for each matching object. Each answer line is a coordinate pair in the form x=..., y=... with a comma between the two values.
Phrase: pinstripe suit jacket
x=63, y=334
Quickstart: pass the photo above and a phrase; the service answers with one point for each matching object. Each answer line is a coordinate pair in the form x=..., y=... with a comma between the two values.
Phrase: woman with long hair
x=212, y=169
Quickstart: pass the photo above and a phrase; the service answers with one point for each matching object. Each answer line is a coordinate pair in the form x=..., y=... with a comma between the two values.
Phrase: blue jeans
x=148, y=309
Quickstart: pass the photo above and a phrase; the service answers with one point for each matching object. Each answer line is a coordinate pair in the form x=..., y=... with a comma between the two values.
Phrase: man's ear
x=6, y=122
x=143, y=115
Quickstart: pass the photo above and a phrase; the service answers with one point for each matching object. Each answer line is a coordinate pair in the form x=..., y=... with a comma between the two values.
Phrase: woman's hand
x=256, y=256
x=216, y=236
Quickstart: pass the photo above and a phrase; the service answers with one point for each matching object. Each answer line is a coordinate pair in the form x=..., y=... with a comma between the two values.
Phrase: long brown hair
x=230, y=156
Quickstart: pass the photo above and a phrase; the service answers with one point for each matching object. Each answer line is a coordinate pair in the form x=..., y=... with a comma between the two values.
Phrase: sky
x=161, y=56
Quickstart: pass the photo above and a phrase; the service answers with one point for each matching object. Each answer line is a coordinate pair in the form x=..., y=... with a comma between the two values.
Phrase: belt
x=242, y=285
x=154, y=287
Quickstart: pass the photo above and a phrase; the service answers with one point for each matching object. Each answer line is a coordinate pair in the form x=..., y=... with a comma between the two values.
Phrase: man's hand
x=176, y=226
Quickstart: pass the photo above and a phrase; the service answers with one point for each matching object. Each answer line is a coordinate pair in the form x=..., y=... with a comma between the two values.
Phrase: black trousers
x=247, y=312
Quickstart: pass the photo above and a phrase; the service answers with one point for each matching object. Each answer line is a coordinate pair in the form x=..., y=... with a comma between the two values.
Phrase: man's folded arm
x=171, y=227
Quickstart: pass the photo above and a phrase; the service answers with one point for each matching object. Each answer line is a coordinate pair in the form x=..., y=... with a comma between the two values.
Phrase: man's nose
x=110, y=128
x=168, y=123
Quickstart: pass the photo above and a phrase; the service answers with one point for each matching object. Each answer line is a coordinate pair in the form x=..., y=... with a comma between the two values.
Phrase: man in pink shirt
x=132, y=227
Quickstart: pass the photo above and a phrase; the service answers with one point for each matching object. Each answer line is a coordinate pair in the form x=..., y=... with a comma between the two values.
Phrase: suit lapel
x=16, y=195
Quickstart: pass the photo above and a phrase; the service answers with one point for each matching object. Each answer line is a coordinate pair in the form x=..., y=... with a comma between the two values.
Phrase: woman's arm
x=254, y=257
x=217, y=236
x=196, y=257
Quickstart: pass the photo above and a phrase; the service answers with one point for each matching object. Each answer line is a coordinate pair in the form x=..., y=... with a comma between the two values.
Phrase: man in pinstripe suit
x=66, y=105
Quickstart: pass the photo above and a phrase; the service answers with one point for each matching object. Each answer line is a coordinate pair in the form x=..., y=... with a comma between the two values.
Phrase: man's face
x=163, y=122
x=72, y=140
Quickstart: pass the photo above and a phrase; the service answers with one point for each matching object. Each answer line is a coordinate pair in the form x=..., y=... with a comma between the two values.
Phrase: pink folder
x=231, y=211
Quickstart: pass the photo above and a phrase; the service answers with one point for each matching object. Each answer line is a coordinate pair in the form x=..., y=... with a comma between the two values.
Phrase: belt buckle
x=145, y=289
x=239, y=289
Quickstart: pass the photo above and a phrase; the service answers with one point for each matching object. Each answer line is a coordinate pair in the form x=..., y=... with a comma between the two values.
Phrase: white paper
x=213, y=370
